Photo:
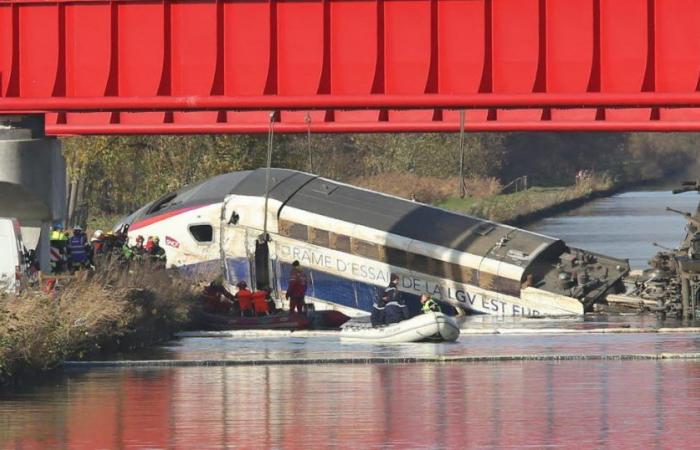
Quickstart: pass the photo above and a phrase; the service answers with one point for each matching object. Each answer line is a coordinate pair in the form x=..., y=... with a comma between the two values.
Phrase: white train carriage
x=349, y=240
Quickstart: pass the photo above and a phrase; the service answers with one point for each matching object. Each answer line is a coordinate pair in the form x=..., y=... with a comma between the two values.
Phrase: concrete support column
x=43, y=248
x=32, y=180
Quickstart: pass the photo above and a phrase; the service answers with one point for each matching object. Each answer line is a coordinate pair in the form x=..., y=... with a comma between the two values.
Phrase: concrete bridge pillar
x=32, y=180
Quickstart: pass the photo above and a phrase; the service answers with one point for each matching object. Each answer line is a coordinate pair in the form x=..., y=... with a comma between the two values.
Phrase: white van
x=13, y=263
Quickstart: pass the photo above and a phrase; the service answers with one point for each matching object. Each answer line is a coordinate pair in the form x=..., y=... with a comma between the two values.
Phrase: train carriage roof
x=396, y=215
x=363, y=207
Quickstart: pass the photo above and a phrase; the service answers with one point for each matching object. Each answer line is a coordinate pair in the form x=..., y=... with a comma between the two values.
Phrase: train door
x=235, y=251
x=262, y=265
x=266, y=265
x=261, y=256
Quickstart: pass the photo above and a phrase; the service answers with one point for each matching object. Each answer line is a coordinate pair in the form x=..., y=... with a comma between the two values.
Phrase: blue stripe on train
x=321, y=285
x=343, y=291
x=238, y=269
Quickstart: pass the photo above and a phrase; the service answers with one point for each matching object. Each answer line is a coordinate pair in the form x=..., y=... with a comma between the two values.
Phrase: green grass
x=508, y=207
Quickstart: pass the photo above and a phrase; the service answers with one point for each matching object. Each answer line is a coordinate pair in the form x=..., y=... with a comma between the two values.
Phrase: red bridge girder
x=201, y=66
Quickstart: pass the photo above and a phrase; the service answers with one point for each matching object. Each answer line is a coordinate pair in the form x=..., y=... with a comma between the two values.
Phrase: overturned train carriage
x=349, y=240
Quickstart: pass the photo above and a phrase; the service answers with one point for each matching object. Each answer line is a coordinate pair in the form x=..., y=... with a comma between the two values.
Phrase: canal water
x=599, y=403
x=625, y=225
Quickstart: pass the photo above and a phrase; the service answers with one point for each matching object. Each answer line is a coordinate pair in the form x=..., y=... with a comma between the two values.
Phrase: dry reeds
x=427, y=189
x=107, y=310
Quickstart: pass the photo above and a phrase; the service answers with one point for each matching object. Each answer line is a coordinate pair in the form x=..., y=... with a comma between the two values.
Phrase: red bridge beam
x=372, y=127
x=198, y=64
x=349, y=102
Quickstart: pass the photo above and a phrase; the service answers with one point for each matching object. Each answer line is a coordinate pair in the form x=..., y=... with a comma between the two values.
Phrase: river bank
x=107, y=312
x=532, y=204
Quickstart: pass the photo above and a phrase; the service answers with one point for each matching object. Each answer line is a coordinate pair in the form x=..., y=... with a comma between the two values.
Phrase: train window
x=395, y=257
x=340, y=242
x=437, y=268
x=366, y=249
x=381, y=253
x=294, y=230
x=418, y=263
x=202, y=233
x=507, y=286
x=459, y=273
x=162, y=203
x=319, y=237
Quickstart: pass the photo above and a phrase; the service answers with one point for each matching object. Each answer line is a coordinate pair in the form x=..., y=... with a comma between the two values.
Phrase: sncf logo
x=172, y=242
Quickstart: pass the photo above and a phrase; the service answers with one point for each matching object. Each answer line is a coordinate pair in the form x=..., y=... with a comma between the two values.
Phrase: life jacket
x=76, y=245
x=57, y=235
x=260, y=302
x=431, y=305
x=245, y=299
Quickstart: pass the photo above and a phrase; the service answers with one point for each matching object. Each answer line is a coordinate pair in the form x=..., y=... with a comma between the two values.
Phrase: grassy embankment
x=484, y=197
x=529, y=204
x=106, y=312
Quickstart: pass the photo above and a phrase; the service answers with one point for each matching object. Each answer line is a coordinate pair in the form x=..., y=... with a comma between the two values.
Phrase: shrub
x=108, y=310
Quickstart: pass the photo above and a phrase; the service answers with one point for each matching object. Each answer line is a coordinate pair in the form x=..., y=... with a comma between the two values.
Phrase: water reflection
x=648, y=404
x=329, y=347
x=580, y=404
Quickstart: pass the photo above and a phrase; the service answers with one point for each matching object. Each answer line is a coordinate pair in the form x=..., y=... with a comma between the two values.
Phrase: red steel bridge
x=221, y=66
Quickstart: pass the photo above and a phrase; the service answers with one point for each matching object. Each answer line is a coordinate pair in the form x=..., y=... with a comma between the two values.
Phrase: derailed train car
x=349, y=240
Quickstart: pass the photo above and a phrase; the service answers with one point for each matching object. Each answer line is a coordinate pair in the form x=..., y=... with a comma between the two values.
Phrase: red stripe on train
x=151, y=220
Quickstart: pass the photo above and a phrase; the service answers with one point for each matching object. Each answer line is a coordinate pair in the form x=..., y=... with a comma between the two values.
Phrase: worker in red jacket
x=216, y=298
x=296, y=291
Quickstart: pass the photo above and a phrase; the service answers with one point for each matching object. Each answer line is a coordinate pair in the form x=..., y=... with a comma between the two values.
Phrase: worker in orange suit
x=245, y=299
x=261, y=302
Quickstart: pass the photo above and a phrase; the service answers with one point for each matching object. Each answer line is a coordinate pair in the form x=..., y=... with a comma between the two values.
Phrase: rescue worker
x=78, y=249
x=112, y=247
x=244, y=299
x=395, y=309
x=296, y=291
x=132, y=253
x=156, y=254
x=261, y=301
x=217, y=299
x=58, y=249
x=120, y=243
x=57, y=233
x=138, y=248
x=377, y=314
x=149, y=244
x=97, y=244
x=429, y=304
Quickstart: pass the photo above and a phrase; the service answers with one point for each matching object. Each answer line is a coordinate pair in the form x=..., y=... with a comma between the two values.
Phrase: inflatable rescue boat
x=434, y=327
